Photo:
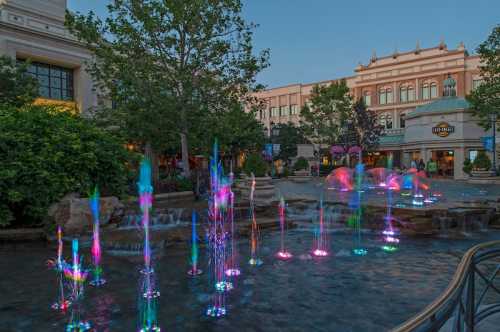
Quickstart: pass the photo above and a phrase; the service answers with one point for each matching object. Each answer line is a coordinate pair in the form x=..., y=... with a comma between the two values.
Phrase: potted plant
x=481, y=165
x=467, y=168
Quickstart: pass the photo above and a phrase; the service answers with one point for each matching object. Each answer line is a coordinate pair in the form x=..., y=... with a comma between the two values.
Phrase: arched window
x=426, y=94
x=367, y=98
x=434, y=90
x=382, y=97
x=411, y=93
x=389, y=96
x=388, y=121
x=403, y=94
x=402, y=117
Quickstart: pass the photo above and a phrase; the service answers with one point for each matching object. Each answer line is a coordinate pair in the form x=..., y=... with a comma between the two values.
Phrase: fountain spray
x=194, y=271
x=358, y=249
x=217, y=237
x=321, y=240
x=62, y=303
x=148, y=296
x=283, y=253
x=390, y=238
x=233, y=270
x=254, y=238
x=98, y=280
x=77, y=275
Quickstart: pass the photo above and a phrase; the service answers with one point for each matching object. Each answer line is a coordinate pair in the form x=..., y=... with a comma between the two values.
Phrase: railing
x=461, y=306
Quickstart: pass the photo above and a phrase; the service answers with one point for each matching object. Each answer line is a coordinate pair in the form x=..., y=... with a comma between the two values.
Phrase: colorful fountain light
x=389, y=234
x=356, y=219
x=148, y=296
x=62, y=303
x=340, y=179
x=283, y=253
x=194, y=271
x=254, y=237
x=321, y=240
x=77, y=275
x=217, y=236
x=97, y=280
x=232, y=270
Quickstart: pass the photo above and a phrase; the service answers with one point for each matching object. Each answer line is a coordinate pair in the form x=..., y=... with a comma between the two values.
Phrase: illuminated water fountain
x=194, y=270
x=148, y=294
x=283, y=253
x=254, y=236
x=233, y=268
x=320, y=248
x=77, y=276
x=357, y=216
x=97, y=280
x=389, y=234
x=340, y=179
x=58, y=264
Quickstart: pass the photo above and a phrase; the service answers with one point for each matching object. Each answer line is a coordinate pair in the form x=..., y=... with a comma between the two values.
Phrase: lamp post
x=493, y=119
x=274, y=133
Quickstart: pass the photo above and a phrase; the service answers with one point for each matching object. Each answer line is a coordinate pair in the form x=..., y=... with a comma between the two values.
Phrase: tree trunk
x=152, y=156
x=185, y=155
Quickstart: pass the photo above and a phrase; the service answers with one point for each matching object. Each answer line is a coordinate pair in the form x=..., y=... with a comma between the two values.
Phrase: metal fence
x=472, y=295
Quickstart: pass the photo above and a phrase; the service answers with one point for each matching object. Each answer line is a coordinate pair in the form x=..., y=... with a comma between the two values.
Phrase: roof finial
x=461, y=46
x=442, y=45
x=396, y=53
x=417, y=47
x=374, y=56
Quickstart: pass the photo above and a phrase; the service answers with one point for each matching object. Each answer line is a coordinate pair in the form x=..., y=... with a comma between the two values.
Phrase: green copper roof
x=441, y=105
x=391, y=139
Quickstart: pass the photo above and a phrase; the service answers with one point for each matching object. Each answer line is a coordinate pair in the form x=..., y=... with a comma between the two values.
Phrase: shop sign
x=443, y=129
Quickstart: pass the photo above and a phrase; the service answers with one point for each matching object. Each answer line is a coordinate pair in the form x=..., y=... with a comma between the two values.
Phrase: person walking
x=421, y=165
x=431, y=168
x=413, y=164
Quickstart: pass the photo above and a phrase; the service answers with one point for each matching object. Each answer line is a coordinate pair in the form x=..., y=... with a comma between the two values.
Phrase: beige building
x=34, y=30
x=406, y=90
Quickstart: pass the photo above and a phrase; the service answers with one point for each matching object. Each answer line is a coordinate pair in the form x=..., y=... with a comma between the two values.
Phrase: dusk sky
x=324, y=39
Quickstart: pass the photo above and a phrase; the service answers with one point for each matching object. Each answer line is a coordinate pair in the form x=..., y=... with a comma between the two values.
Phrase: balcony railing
x=391, y=132
x=471, y=296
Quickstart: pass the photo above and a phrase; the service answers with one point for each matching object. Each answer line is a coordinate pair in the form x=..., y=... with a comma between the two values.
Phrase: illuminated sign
x=443, y=129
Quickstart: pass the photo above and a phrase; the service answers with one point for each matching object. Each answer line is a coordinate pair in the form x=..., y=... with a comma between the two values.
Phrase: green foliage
x=254, y=163
x=467, y=168
x=325, y=169
x=485, y=99
x=482, y=161
x=170, y=64
x=381, y=161
x=17, y=88
x=333, y=118
x=46, y=153
x=301, y=164
x=288, y=138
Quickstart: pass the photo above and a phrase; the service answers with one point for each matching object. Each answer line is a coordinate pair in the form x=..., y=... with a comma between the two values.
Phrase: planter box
x=481, y=173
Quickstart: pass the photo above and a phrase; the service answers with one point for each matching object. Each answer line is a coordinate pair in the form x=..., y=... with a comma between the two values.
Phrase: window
x=389, y=96
x=472, y=155
x=275, y=112
x=388, y=121
x=411, y=94
x=367, y=98
x=382, y=97
x=403, y=94
x=434, y=90
x=381, y=120
x=402, y=116
x=54, y=82
x=294, y=110
x=476, y=83
x=426, y=94
x=284, y=110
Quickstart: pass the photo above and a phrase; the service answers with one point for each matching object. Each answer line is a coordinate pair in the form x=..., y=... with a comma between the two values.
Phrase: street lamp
x=493, y=119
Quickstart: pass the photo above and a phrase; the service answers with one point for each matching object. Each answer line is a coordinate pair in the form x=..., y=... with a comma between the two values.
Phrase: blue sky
x=324, y=39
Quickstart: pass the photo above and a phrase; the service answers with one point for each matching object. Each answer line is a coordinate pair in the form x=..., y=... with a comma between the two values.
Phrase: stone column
x=458, y=162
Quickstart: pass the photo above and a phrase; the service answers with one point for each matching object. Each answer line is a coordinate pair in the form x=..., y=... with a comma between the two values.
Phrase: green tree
x=288, y=137
x=46, y=153
x=485, y=99
x=169, y=63
x=326, y=116
x=17, y=88
x=366, y=130
x=236, y=131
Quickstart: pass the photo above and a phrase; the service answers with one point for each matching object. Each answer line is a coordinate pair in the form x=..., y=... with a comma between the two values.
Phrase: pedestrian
x=431, y=168
x=421, y=165
x=413, y=164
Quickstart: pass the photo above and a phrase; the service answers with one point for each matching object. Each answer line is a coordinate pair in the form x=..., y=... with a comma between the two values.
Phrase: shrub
x=255, y=164
x=183, y=184
x=46, y=153
x=301, y=164
x=381, y=162
x=467, y=168
x=482, y=161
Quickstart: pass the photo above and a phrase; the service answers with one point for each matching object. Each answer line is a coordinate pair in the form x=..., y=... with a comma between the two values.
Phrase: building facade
x=406, y=90
x=34, y=30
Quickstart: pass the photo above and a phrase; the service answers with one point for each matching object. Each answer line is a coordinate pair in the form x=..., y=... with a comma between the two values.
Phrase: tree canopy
x=485, y=99
x=167, y=64
x=288, y=137
x=17, y=88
